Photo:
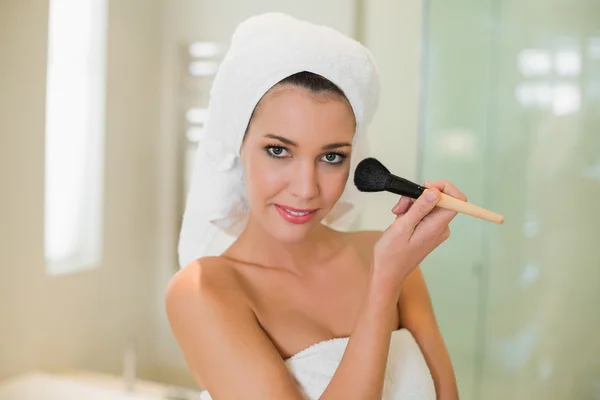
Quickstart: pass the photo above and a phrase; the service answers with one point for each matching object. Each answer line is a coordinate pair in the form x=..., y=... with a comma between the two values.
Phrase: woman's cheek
x=266, y=175
x=333, y=184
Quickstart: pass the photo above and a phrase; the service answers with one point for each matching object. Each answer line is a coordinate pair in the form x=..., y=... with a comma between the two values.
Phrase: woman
x=260, y=320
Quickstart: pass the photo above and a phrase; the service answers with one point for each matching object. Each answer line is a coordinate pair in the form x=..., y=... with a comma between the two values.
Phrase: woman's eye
x=275, y=151
x=333, y=158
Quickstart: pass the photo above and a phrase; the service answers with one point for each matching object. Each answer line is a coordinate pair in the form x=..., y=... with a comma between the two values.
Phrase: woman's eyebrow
x=282, y=139
x=289, y=142
x=332, y=146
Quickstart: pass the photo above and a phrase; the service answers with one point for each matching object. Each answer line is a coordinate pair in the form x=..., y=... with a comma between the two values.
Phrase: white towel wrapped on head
x=264, y=50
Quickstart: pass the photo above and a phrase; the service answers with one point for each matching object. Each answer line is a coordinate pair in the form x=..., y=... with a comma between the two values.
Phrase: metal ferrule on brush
x=403, y=187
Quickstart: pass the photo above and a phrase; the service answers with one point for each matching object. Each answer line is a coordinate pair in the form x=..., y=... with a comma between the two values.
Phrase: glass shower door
x=453, y=146
x=511, y=114
x=542, y=314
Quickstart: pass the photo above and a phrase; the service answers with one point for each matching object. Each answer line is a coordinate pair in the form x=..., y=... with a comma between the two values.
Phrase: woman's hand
x=418, y=229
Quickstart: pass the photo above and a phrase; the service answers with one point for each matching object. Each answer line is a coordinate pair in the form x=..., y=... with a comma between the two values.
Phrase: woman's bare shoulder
x=218, y=332
x=366, y=239
x=203, y=282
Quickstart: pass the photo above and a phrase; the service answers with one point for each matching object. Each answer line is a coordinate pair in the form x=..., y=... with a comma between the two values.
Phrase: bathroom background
x=102, y=102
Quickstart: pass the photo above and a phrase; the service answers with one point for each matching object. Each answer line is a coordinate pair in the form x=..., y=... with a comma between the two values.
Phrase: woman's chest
x=297, y=312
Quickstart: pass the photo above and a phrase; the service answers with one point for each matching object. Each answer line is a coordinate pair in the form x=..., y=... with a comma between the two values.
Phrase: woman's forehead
x=297, y=107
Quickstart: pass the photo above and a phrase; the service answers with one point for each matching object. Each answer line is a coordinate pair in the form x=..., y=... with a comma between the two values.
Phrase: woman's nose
x=304, y=182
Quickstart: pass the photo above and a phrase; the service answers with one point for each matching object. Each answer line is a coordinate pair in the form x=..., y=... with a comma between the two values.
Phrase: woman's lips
x=295, y=215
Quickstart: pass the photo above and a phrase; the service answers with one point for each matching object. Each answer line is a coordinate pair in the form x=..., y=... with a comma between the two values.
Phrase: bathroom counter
x=86, y=386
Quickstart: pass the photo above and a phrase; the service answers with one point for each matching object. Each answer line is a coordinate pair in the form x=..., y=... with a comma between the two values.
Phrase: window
x=75, y=97
x=552, y=80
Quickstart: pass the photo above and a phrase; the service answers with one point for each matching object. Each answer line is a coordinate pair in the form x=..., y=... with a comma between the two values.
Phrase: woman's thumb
x=421, y=207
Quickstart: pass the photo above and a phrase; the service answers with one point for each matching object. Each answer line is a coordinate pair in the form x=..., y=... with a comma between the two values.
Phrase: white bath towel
x=407, y=376
x=265, y=49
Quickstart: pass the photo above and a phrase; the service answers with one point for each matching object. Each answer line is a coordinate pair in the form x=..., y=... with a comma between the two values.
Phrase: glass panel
x=515, y=87
x=544, y=266
x=453, y=147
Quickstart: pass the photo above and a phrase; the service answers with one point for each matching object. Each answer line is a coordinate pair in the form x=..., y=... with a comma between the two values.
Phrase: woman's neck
x=257, y=246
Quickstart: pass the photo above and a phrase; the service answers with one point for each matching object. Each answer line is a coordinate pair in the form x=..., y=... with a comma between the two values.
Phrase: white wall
x=82, y=319
x=392, y=31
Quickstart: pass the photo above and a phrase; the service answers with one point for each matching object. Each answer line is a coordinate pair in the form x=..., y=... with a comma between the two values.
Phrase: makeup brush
x=372, y=176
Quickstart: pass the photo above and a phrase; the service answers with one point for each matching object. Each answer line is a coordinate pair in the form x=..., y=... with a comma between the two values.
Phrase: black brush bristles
x=371, y=175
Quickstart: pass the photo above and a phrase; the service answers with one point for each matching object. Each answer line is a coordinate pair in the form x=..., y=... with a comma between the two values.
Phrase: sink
x=87, y=386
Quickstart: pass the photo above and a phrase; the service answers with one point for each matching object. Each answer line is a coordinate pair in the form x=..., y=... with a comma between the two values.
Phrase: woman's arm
x=224, y=346
x=416, y=311
x=417, y=315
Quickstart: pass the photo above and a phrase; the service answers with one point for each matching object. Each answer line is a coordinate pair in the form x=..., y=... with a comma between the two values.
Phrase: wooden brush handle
x=454, y=204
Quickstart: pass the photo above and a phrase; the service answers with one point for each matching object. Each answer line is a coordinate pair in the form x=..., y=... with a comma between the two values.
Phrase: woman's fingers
x=419, y=209
x=448, y=188
x=402, y=205
x=442, y=216
x=445, y=216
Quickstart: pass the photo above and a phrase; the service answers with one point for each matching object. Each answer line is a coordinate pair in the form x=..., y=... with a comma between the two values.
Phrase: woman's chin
x=288, y=232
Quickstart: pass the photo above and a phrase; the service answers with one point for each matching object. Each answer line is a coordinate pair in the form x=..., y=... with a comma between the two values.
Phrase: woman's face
x=296, y=158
